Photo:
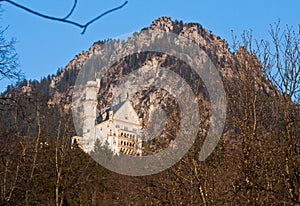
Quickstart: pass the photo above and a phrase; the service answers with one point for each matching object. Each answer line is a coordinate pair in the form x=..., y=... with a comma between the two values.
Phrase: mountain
x=255, y=162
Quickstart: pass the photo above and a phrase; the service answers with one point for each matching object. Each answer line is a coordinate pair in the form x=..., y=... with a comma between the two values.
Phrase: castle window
x=117, y=126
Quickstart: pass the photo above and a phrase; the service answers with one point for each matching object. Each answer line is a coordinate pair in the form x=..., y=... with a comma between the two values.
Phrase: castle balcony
x=127, y=146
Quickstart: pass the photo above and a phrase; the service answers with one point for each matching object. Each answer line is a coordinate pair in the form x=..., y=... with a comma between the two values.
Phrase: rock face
x=214, y=46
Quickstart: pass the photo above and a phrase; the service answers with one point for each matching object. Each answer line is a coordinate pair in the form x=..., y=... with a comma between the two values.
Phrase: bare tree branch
x=65, y=19
x=72, y=10
x=8, y=59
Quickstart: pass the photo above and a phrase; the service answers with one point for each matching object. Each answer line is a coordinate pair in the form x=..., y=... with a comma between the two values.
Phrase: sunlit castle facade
x=117, y=127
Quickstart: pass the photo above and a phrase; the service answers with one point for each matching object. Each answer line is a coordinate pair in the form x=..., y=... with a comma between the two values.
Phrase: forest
x=256, y=161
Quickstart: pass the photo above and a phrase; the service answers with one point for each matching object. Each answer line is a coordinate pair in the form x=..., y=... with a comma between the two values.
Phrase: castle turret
x=90, y=115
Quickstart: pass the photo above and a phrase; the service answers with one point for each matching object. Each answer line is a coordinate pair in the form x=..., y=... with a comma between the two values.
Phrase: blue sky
x=44, y=46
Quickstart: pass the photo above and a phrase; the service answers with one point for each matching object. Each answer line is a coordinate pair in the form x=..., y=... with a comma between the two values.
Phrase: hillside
x=256, y=161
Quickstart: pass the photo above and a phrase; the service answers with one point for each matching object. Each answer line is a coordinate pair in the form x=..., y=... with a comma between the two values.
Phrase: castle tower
x=89, y=115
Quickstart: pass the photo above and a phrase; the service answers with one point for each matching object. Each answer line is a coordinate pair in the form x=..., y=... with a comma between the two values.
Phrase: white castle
x=118, y=126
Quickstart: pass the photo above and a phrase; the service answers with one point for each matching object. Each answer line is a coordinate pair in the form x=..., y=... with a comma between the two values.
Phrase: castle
x=117, y=126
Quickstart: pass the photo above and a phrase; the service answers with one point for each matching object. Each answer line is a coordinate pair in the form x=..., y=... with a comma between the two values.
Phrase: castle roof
x=106, y=114
x=116, y=107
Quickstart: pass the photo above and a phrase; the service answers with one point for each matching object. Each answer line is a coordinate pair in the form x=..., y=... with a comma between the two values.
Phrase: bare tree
x=281, y=65
x=270, y=125
x=280, y=59
x=8, y=59
x=66, y=19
